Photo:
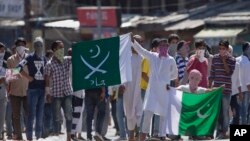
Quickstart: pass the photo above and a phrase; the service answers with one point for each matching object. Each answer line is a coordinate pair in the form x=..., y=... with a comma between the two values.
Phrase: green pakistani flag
x=103, y=62
x=193, y=114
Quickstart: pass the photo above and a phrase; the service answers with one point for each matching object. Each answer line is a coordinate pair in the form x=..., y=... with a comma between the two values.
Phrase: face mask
x=59, y=54
x=172, y=50
x=21, y=50
x=2, y=55
x=201, y=54
x=163, y=51
x=39, y=49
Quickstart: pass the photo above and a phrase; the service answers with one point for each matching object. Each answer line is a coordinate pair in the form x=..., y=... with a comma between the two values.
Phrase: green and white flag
x=193, y=114
x=103, y=62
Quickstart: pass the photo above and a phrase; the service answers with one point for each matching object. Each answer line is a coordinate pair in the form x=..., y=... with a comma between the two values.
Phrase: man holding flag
x=132, y=94
x=163, y=69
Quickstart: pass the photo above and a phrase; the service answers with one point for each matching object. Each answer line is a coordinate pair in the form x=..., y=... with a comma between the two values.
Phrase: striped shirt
x=181, y=65
x=218, y=74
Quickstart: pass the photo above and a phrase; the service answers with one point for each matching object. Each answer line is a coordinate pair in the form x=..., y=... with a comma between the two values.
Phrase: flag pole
x=99, y=19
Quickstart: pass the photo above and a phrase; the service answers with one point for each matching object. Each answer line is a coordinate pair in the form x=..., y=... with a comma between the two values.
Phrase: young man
x=173, y=40
x=182, y=58
x=35, y=63
x=199, y=62
x=58, y=70
x=132, y=95
x=4, y=55
x=244, y=64
x=222, y=68
x=18, y=88
x=236, y=92
x=163, y=69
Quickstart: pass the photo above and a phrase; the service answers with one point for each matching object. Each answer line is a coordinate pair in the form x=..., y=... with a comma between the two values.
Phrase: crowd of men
x=41, y=95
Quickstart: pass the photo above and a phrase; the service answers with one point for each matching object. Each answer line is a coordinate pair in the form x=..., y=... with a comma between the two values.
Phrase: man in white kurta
x=163, y=70
x=132, y=96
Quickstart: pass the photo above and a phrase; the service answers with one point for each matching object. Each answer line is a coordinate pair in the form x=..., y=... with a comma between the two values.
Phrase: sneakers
x=106, y=139
x=222, y=136
x=98, y=137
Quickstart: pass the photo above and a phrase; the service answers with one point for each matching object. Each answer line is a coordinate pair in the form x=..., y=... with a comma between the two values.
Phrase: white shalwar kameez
x=132, y=95
x=162, y=71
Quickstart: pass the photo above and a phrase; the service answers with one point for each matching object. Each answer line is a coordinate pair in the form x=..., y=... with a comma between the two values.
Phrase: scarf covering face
x=172, y=50
x=201, y=53
x=163, y=51
x=59, y=54
x=21, y=50
x=39, y=47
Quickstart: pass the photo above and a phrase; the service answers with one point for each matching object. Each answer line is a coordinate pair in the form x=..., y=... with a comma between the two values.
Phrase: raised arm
x=147, y=54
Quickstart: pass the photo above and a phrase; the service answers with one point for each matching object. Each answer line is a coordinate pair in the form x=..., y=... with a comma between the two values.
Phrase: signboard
x=12, y=8
x=87, y=16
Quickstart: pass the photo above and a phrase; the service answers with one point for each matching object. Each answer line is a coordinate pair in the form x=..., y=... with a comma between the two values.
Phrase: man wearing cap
x=4, y=55
x=35, y=96
x=222, y=68
x=244, y=64
x=17, y=89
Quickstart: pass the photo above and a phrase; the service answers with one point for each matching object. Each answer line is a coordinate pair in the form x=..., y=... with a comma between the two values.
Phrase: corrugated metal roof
x=213, y=33
x=73, y=24
x=11, y=23
x=187, y=24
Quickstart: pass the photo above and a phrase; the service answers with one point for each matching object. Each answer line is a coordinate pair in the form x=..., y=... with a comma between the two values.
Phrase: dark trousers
x=92, y=101
x=16, y=103
x=236, y=110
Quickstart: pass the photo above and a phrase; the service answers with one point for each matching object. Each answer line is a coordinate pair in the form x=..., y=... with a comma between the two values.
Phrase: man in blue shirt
x=35, y=63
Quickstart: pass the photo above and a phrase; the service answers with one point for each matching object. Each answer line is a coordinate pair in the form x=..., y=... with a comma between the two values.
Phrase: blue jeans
x=35, y=111
x=223, y=122
x=121, y=119
x=236, y=110
x=66, y=104
x=92, y=101
x=244, y=108
x=47, y=120
x=143, y=93
x=113, y=112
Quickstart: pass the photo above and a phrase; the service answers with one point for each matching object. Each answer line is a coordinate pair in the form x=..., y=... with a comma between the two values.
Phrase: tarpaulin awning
x=219, y=33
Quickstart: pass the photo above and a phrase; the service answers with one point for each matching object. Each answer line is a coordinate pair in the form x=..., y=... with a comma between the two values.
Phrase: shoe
x=165, y=139
x=81, y=138
x=174, y=137
x=121, y=139
x=106, y=139
x=221, y=136
x=98, y=137
x=154, y=138
x=9, y=137
x=117, y=133
x=73, y=137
